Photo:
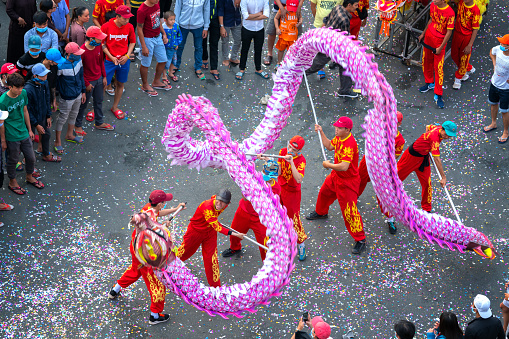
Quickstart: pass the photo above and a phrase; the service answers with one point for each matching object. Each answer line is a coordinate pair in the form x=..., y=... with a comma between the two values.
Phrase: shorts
x=121, y=72
x=156, y=48
x=497, y=95
x=171, y=55
x=506, y=303
x=282, y=44
x=271, y=28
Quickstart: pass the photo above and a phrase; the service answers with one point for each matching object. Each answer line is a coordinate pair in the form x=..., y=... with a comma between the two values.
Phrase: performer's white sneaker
x=472, y=71
x=457, y=83
x=113, y=295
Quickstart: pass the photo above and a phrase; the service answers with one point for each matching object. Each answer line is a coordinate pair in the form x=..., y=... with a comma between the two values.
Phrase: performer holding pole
x=465, y=32
x=343, y=182
x=416, y=159
x=359, y=18
x=399, y=144
x=202, y=231
x=154, y=209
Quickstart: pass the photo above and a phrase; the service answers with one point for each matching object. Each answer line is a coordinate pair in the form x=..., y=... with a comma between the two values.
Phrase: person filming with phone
x=319, y=328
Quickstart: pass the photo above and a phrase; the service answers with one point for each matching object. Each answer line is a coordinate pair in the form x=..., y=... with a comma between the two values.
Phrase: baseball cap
x=40, y=18
x=399, y=115
x=297, y=141
x=159, y=196
x=40, y=70
x=34, y=42
x=54, y=55
x=8, y=68
x=95, y=32
x=3, y=115
x=344, y=122
x=124, y=12
x=316, y=320
x=73, y=48
x=482, y=303
x=504, y=40
x=292, y=5
x=450, y=128
x=322, y=330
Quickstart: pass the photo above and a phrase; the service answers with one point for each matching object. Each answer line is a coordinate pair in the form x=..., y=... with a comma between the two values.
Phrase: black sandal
x=216, y=76
x=200, y=75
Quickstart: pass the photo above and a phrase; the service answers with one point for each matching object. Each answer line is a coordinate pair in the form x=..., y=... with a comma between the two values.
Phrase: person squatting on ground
x=446, y=328
x=319, y=329
x=154, y=209
x=174, y=36
x=485, y=325
x=399, y=144
x=287, y=27
x=416, y=159
x=202, y=230
x=246, y=218
x=342, y=183
x=436, y=35
x=404, y=329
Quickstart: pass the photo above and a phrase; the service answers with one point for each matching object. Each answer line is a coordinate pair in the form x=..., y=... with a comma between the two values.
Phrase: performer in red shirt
x=343, y=182
x=101, y=8
x=416, y=158
x=246, y=217
x=436, y=34
x=202, y=230
x=399, y=144
x=359, y=18
x=154, y=209
x=465, y=32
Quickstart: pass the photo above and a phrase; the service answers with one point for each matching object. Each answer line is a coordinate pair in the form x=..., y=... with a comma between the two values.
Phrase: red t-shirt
x=468, y=18
x=286, y=177
x=442, y=19
x=149, y=17
x=429, y=141
x=93, y=64
x=104, y=6
x=362, y=4
x=205, y=217
x=248, y=208
x=346, y=150
x=399, y=144
x=118, y=38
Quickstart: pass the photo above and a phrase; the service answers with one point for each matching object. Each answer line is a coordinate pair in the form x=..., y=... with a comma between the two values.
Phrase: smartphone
x=305, y=316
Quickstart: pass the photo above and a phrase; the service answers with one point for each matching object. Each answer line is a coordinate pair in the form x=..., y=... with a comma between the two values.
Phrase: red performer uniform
x=343, y=186
x=442, y=19
x=246, y=218
x=416, y=159
x=467, y=21
x=202, y=230
x=355, y=20
x=136, y=269
x=291, y=192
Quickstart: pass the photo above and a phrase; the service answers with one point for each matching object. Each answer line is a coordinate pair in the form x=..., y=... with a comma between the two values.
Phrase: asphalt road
x=63, y=247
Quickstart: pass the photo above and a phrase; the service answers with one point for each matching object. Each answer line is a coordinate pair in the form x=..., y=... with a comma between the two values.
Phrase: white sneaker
x=457, y=84
x=1, y=224
x=465, y=77
x=472, y=71
x=137, y=50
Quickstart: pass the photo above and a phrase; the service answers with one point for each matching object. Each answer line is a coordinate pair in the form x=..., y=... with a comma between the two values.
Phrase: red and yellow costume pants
x=433, y=64
x=208, y=241
x=462, y=60
x=408, y=164
x=355, y=26
x=291, y=200
x=243, y=222
x=345, y=191
x=155, y=287
x=363, y=173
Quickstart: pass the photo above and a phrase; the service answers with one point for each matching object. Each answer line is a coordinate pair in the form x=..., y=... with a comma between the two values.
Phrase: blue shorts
x=155, y=48
x=499, y=96
x=121, y=71
x=171, y=54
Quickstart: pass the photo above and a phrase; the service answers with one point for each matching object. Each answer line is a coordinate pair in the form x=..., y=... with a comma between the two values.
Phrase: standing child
x=174, y=36
x=287, y=28
x=30, y=58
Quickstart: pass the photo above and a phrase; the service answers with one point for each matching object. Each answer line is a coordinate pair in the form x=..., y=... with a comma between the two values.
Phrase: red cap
x=95, y=32
x=73, y=48
x=504, y=40
x=292, y=5
x=124, y=12
x=345, y=122
x=297, y=142
x=8, y=69
x=399, y=115
x=159, y=196
x=316, y=320
x=322, y=330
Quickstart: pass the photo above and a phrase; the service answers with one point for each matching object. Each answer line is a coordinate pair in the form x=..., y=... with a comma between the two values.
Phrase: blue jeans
x=198, y=47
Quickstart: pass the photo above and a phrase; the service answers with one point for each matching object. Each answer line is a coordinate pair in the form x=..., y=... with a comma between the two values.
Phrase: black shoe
x=229, y=252
x=333, y=65
x=359, y=247
x=113, y=295
x=162, y=319
x=349, y=94
x=313, y=215
x=392, y=228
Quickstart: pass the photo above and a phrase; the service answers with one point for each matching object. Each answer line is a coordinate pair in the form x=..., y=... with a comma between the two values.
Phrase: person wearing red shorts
x=416, y=159
x=399, y=144
x=202, y=231
x=342, y=183
x=359, y=18
x=436, y=35
x=465, y=32
x=246, y=217
x=154, y=209
x=287, y=27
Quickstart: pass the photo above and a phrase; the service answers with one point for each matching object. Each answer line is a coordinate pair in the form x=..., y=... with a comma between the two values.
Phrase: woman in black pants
x=253, y=13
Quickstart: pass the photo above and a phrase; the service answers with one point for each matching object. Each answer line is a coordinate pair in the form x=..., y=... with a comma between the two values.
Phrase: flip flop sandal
x=36, y=174
x=166, y=87
x=111, y=92
x=239, y=75
x=37, y=152
x=263, y=74
x=19, y=167
x=200, y=75
x=37, y=184
x=490, y=129
x=6, y=207
x=80, y=133
x=174, y=78
x=205, y=65
x=267, y=60
x=59, y=149
x=502, y=140
x=53, y=158
x=216, y=76
x=107, y=127
x=18, y=189
x=322, y=75
x=118, y=114
x=90, y=116
x=76, y=140
x=166, y=81
x=150, y=93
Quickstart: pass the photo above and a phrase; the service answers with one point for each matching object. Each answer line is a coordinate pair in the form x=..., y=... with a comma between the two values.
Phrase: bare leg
x=280, y=55
x=159, y=70
x=271, y=39
x=58, y=141
x=505, y=315
x=144, y=76
x=119, y=89
x=70, y=134
x=494, y=113
x=505, y=118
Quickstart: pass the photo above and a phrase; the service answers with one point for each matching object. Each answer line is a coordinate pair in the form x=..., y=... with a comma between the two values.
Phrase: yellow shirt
x=323, y=8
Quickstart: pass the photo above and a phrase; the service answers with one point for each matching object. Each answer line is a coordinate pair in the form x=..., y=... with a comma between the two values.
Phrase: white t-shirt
x=501, y=75
x=251, y=7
